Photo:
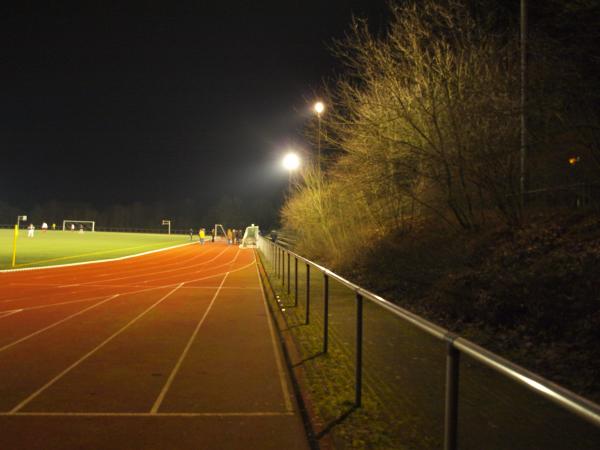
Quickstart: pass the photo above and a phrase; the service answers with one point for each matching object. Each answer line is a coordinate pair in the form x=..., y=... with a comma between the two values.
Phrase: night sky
x=160, y=103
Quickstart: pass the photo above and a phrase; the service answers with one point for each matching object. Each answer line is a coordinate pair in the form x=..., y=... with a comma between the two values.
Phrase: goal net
x=250, y=237
x=218, y=232
x=79, y=225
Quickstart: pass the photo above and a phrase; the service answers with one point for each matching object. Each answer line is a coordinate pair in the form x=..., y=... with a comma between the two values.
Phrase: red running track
x=169, y=350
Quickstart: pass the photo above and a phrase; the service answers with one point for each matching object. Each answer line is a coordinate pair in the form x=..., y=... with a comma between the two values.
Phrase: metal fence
x=415, y=368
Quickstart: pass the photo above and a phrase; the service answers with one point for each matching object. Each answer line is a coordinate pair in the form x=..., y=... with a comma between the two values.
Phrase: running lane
x=173, y=349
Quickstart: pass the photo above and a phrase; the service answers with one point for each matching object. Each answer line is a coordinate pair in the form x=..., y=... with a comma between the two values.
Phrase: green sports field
x=64, y=247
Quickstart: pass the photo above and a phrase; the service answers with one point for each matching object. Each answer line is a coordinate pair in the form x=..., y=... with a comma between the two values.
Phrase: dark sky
x=162, y=102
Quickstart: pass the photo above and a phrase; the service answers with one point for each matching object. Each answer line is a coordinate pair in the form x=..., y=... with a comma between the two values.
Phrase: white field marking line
x=276, y=350
x=134, y=271
x=11, y=312
x=218, y=274
x=45, y=294
x=237, y=288
x=49, y=305
x=91, y=352
x=152, y=274
x=131, y=264
x=137, y=414
x=225, y=264
x=54, y=293
x=173, y=373
x=52, y=325
x=128, y=263
x=135, y=255
x=36, y=296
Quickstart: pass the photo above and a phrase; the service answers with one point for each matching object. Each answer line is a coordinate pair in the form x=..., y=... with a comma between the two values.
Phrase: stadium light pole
x=14, y=255
x=291, y=162
x=319, y=107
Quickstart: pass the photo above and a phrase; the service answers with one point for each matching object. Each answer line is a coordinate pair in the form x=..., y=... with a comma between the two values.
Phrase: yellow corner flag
x=14, y=256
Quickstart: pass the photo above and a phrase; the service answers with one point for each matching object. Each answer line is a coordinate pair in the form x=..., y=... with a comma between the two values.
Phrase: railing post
x=282, y=267
x=451, y=410
x=325, y=312
x=288, y=273
x=307, y=294
x=295, y=281
x=359, y=335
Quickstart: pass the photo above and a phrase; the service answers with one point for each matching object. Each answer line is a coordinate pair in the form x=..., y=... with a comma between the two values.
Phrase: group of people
x=233, y=236
x=31, y=228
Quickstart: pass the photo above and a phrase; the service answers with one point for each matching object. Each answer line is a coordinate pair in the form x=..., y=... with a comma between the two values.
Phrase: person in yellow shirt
x=201, y=235
x=229, y=236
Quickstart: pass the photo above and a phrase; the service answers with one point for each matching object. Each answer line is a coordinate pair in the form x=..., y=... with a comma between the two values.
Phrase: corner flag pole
x=14, y=255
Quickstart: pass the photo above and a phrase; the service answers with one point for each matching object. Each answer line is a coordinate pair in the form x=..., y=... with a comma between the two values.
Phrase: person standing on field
x=30, y=230
x=191, y=234
x=201, y=236
x=44, y=227
x=229, y=236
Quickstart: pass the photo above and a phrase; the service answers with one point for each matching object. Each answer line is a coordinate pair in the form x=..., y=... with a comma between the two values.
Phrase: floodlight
x=319, y=107
x=291, y=161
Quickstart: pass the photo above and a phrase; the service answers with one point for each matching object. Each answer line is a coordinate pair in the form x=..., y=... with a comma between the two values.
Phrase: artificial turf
x=65, y=247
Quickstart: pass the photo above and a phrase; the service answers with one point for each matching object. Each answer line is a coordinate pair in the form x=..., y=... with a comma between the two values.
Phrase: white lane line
x=10, y=312
x=50, y=305
x=135, y=414
x=234, y=288
x=52, y=325
x=153, y=274
x=91, y=352
x=282, y=376
x=167, y=385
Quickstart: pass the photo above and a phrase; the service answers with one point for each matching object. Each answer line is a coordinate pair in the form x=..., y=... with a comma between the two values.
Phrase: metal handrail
x=456, y=346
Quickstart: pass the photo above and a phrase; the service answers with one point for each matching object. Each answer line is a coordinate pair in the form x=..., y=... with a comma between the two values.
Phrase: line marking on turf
x=167, y=385
x=10, y=312
x=23, y=269
x=136, y=414
x=52, y=325
x=282, y=376
x=91, y=352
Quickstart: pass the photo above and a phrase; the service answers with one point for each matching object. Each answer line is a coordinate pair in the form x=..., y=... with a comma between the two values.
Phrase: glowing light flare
x=573, y=160
x=319, y=107
x=291, y=161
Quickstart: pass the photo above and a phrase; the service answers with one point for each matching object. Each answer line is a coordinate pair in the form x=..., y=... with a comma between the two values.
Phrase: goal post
x=219, y=233
x=250, y=237
x=79, y=225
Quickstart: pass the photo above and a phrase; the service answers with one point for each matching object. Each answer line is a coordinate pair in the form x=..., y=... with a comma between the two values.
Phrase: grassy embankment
x=528, y=295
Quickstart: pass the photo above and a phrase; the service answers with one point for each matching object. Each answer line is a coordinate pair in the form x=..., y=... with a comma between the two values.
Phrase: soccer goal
x=250, y=237
x=219, y=233
x=79, y=225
